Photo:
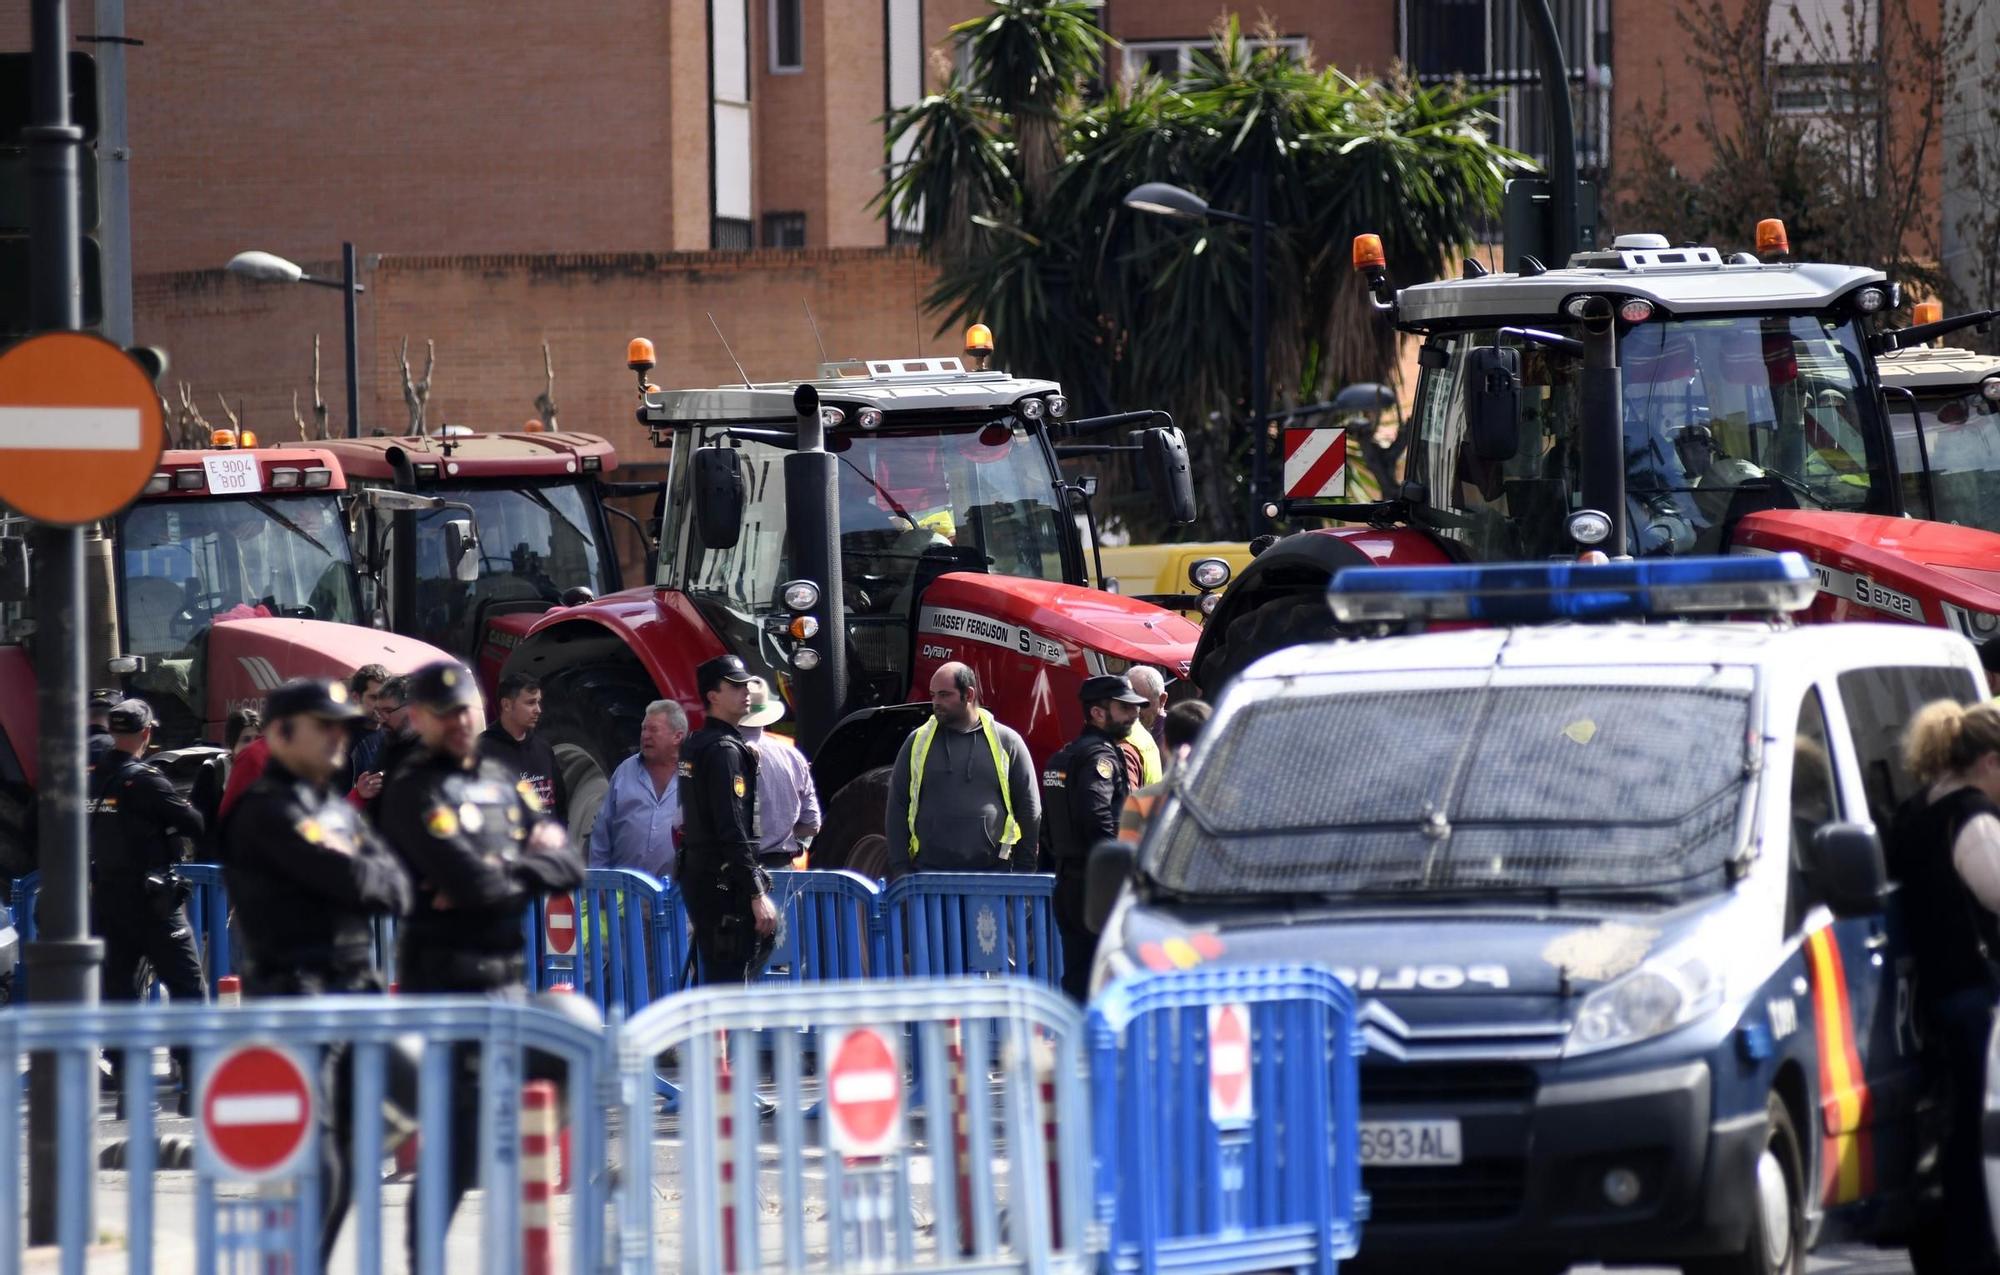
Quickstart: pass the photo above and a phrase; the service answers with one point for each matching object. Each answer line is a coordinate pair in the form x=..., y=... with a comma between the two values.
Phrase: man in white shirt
x=639, y=824
x=787, y=806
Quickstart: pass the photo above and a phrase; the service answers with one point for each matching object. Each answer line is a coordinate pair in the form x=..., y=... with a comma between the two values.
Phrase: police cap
x=131, y=716
x=443, y=686
x=1110, y=686
x=723, y=668
x=106, y=698
x=312, y=697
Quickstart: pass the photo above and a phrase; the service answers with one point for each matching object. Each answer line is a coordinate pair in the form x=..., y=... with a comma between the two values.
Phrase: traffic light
x=16, y=115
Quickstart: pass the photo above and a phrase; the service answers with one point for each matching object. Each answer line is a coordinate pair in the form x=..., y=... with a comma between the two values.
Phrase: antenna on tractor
x=815, y=327
x=725, y=348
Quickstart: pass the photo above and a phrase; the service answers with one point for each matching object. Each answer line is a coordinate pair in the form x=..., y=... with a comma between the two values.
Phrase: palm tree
x=1016, y=184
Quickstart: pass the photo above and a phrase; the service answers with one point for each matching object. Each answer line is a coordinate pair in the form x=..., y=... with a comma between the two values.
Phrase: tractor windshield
x=1960, y=450
x=536, y=541
x=912, y=505
x=1722, y=417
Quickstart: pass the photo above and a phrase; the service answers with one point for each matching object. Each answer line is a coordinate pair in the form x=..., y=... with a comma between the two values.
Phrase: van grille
x=1476, y=1191
x=1445, y=1085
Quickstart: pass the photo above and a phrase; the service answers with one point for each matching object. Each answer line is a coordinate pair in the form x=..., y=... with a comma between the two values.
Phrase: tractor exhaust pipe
x=819, y=693
x=1603, y=434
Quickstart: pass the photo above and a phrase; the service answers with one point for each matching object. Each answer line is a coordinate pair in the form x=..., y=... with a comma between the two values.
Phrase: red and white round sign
x=1229, y=1064
x=864, y=1086
x=257, y=1112
x=559, y=920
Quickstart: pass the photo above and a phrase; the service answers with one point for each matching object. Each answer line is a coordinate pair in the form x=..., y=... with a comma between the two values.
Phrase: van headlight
x=1663, y=993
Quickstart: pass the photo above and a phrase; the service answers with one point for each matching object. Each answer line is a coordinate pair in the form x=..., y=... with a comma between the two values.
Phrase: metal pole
x=114, y=173
x=1260, y=322
x=812, y=511
x=347, y=279
x=1601, y=440
x=1562, y=127
x=65, y=958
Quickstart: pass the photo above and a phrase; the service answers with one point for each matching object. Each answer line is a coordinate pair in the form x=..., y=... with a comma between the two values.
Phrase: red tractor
x=535, y=501
x=1646, y=398
x=846, y=536
x=230, y=574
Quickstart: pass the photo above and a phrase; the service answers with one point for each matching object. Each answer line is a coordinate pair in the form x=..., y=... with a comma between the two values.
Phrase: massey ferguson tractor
x=846, y=536
x=536, y=501
x=1944, y=408
x=1645, y=399
x=230, y=574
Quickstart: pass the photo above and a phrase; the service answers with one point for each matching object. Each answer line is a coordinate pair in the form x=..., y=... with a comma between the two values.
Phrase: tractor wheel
x=1288, y=620
x=851, y=834
x=591, y=720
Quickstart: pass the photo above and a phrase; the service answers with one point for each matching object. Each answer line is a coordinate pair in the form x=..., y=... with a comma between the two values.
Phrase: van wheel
x=1776, y=1244
x=851, y=834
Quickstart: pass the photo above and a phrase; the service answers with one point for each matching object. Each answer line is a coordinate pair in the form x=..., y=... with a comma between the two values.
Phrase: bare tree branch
x=319, y=402
x=416, y=393
x=545, y=402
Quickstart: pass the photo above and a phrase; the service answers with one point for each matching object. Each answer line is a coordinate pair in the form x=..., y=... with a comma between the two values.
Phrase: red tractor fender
x=20, y=715
x=250, y=658
x=659, y=628
x=1875, y=567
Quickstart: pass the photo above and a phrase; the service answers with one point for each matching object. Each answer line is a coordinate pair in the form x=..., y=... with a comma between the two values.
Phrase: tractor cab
x=1944, y=411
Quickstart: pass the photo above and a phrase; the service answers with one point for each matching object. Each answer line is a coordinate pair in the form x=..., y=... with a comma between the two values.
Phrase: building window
x=730, y=234
x=1488, y=44
x=785, y=230
x=788, y=32
x=1172, y=59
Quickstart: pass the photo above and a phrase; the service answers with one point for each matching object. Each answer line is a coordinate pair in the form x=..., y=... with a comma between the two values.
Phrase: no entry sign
x=864, y=1089
x=257, y=1112
x=559, y=920
x=80, y=428
x=1229, y=1065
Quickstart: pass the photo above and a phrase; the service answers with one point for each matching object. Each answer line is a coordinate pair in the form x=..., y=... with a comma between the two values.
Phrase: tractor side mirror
x=1843, y=865
x=1167, y=466
x=719, y=496
x=461, y=549
x=1493, y=402
x=13, y=569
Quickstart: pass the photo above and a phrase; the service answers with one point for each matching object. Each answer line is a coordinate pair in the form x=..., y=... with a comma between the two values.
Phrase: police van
x=1610, y=894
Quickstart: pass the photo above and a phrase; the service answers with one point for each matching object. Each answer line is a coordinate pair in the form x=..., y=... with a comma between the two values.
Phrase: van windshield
x=1550, y=789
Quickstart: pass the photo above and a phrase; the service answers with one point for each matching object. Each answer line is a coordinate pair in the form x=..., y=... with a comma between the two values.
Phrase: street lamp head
x=1167, y=200
x=266, y=266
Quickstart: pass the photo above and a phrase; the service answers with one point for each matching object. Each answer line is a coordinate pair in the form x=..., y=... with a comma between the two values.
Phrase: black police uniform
x=718, y=870
x=138, y=824
x=1084, y=786
x=480, y=848
x=307, y=876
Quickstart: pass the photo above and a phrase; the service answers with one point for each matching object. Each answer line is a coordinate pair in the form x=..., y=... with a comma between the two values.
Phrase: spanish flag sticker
x=739, y=785
x=442, y=822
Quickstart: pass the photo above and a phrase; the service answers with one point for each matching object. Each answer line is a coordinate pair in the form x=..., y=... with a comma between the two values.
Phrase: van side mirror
x=461, y=549
x=1166, y=458
x=1111, y=865
x=13, y=568
x=719, y=496
x=1493, y=402
x=1843, y=865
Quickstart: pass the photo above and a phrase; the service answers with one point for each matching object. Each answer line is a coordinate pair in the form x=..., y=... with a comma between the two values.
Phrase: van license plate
x=1395, y=1143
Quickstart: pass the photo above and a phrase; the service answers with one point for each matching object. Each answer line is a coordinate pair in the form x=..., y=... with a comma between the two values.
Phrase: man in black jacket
x=1084, y=789
x=727, y=893
x=513, y=743
x=308, y=876
x=480, y=847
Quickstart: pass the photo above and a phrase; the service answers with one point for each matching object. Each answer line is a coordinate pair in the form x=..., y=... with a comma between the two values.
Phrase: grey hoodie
x=960, y=812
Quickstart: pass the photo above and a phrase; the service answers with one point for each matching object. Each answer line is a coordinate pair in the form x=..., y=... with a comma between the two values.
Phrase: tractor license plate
x=1398, y=1143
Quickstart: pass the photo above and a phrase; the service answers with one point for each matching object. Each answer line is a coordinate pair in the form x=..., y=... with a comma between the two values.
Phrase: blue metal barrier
x=208, y=913
x=634, y=939
x=373, y=1025
x=1244, y=1081
x=833, y=927
x=948, y=923
x=23, y=897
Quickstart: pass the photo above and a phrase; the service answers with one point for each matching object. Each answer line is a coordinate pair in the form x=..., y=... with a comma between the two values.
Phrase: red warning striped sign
x=1315, y=464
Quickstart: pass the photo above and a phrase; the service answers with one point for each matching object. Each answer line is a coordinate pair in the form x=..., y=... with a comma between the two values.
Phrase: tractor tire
x=591, y=719
x=851, y=834
x=1288, y=620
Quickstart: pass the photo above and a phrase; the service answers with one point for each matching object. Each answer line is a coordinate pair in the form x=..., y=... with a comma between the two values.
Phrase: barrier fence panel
x=832, y=927
x=208, y=913
x=990, y=923
x=22, y=899
x=633, y=939
x=262, y=1082
x=1245, y=1082
x=1005, y=1182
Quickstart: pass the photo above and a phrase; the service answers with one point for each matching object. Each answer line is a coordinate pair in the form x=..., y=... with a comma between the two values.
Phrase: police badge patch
x=311, y=832
x=739, y=786
x=468, y=814
x=1104, y=768
x=442, y=822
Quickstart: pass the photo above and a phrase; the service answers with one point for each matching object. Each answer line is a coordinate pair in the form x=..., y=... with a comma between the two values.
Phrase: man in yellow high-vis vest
x=963, y=795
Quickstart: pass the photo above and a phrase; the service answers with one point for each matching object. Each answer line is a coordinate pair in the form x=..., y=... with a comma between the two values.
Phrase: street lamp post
x=272, y=268
x=1167, y=200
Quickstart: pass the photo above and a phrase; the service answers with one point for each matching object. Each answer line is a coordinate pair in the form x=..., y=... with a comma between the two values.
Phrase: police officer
x=1084, y=789
x=727, y=893
x=307, y=875
x=139, y=829
x=480, y=848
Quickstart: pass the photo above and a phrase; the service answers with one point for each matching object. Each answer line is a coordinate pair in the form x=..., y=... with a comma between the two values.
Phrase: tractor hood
x=1056, y=622
x=1871, y=566
x=248, y=659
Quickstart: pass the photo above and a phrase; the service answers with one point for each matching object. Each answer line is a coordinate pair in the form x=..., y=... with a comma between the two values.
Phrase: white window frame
x=1184, y=51
x=771, y=38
